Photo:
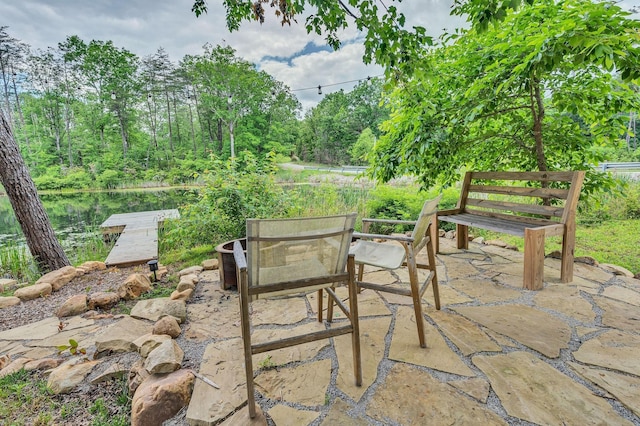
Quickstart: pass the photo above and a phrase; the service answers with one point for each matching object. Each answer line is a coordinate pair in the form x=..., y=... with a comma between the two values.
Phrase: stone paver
x=496, y=353
x=532, y=390
x=531, y=327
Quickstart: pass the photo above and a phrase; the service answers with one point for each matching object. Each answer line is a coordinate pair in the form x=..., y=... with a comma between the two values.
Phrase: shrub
x=109, y=179
x=234, y=190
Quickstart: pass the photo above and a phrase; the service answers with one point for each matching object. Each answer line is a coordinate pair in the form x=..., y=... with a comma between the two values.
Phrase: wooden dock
x=138, y=240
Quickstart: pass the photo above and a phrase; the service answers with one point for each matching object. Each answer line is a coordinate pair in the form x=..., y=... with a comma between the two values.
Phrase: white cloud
x=143, y=26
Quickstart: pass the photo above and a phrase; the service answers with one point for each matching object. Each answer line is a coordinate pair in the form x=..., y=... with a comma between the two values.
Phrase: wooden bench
x=522, y=204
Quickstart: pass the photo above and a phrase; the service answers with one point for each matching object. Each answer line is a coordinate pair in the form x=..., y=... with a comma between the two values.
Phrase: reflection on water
x=75, y=214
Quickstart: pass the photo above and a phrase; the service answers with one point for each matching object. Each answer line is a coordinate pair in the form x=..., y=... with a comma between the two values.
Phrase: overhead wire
x=335, y=84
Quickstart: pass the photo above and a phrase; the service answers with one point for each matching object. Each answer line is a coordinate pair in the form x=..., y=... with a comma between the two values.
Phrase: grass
x=26, y=400
x=613, y=241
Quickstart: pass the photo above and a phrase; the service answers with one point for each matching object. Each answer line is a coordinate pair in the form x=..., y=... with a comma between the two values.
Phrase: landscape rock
x=154, y=309
x=34, y=291
x=479, y=240
x=145, y=344
x=137, y=375
x=134, y=286
x=190, y=270
x=66, y=377
x=165, y=358
x=103, y=300
x=114, y=371
x=119, y=337
x=209, y=264
x=181, y=295
x=43, y=364
x=167, y=325
x=587, y=260
x=93, y=265
x=13, y=366
x=59, y=277
x=7, y=284
x=4, y=361
x=161, y=397
x=450, y=235
x=75, y=305
x=5, y=302
x=616, y=270
x=185, y=285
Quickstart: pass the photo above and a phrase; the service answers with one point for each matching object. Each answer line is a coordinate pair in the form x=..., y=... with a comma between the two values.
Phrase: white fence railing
x=619, y=166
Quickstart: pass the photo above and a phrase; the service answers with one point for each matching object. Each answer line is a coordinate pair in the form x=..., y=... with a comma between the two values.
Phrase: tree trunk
x=22, y=193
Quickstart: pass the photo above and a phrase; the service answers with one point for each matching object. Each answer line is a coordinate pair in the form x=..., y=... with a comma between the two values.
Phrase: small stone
x=450, y=235
x=181, y=295
x=166, y=358
x=4, y=361
x=59, y=277
x=497, y=243
x=7, y=284
x=185, y=285
x=167, y=325
x=43, y=364
x=137, y=375
x=616, y=270
x=13, y=366
x=586, y=259
x=75, y=305
x=149, y=342
x=479, y=240
x=66, y=377
x=33, y=291
x=103, y=300
x=134, y=286
x=93, y=265
x=5, y=302
x=190, y=270
x=209, y=264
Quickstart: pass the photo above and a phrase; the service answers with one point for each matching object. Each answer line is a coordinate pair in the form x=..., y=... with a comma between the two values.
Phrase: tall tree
x=28, y=208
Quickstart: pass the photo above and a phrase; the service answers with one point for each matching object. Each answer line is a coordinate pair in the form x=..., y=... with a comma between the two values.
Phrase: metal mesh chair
x=293, y=256
x=393, y=256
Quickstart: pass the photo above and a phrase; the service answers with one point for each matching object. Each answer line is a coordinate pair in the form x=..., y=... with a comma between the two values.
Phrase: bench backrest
x=534, y=197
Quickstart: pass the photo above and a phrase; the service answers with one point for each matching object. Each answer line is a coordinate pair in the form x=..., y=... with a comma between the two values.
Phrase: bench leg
x=533, y=259
x=462, y=236
x=568, y=250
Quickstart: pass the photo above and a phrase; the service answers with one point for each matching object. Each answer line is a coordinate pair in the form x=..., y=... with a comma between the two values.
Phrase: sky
x=299, y=60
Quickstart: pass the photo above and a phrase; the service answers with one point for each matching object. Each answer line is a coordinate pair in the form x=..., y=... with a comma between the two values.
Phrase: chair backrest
x=429, y=209
x=304, y=253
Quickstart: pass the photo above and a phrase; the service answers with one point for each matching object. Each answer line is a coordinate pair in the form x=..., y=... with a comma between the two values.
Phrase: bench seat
x=525, y=204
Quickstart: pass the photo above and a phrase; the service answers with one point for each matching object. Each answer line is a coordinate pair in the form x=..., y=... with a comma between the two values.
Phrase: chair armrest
x=238, y=255
x=360, y=235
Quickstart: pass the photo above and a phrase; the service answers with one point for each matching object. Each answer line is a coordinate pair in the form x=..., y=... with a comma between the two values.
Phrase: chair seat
x=388, y=256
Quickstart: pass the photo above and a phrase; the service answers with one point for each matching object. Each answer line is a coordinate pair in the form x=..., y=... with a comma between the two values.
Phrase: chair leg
x=355, y=322
x=246, y=340
x=330, y=313
x=360, y=275
x=330, y=304
x=434, y=280
x=462, y=236
x=415, y=294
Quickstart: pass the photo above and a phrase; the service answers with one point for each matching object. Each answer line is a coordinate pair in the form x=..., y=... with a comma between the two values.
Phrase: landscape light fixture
x=113, y=95
x=319, y=90
x=153, y=267
x=230, y=99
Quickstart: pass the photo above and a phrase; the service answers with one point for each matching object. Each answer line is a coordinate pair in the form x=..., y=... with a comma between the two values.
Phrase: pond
x=74, y=214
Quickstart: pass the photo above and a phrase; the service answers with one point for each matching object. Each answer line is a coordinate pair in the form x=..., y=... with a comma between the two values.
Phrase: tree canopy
x=539, y=92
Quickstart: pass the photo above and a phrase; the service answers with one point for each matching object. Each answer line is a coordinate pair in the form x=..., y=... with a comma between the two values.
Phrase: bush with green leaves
x=234, y=190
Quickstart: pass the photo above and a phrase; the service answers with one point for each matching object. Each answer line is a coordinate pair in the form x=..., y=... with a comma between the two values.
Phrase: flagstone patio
x=496, y=354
